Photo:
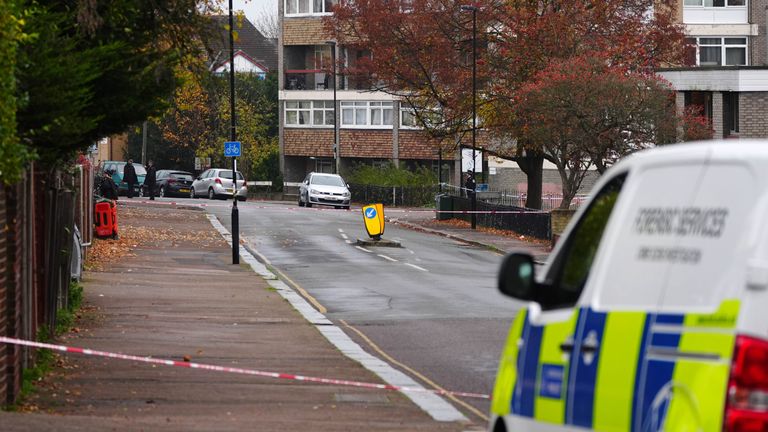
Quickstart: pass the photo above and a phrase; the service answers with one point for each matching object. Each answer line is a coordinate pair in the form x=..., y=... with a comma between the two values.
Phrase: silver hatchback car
x=325, y=189
x=217, y=183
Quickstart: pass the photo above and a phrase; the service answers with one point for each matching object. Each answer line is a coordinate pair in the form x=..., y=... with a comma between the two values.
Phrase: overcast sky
x=253, y=8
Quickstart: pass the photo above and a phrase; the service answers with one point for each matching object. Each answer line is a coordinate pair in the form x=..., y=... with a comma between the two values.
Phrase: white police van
x=652, y=311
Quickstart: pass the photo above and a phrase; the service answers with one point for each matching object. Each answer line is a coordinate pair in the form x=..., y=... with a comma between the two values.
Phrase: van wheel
x=211, y=194
x=499, y=426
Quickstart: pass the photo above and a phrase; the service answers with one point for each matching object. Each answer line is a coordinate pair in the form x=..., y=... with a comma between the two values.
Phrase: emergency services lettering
x=682, y=222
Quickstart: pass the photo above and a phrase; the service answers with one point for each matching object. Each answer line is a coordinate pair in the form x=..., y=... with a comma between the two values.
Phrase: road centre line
x=363, y=249
x=387, y=258
x=344, y=236
x=416, y=267
x=434, y=405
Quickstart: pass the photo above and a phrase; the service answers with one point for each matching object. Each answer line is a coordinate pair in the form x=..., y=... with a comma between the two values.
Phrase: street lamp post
x=473, y=199
x=233, y=137
x=336, y=150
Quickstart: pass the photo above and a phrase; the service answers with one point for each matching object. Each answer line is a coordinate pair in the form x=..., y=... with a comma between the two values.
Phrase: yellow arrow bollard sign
x=373, y=215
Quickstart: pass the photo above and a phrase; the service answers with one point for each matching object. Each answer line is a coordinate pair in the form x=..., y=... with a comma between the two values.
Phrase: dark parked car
x=171, y=183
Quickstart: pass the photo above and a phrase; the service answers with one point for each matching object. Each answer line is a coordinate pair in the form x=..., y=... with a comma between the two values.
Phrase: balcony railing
x=308, y=79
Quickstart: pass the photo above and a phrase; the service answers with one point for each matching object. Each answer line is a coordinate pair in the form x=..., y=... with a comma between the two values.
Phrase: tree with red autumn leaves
x=581, y=113
x=421, y=51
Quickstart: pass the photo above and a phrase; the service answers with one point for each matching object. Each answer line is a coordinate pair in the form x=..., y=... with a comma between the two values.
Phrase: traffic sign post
x=233, y=149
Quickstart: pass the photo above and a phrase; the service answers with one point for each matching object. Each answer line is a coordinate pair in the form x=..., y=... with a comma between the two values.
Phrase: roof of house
x=249, y=40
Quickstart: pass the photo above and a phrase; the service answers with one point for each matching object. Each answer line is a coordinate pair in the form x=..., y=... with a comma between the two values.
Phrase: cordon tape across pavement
x=203, y=366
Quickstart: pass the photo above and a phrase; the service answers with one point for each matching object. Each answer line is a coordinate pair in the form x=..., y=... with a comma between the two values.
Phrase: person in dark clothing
x=129, y=177
x=469, y=184
x=150, y=179
x=108, y=188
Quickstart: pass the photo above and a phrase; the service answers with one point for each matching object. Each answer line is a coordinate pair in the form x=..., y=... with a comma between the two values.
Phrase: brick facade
x=753, y=121
x=365, y=143
x=4, y=348
x=717, y=117
x=415, y=144
x=308, y=142
x=757, y=46
x=304, y=31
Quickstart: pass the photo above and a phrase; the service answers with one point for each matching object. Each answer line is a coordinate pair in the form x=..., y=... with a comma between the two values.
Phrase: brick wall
x=375, y=144
x=304, y=31
x=308, y=142
x=14, y=253
x=757, y=47
x=514, y=179
x=4, y=350
x=717, y=115
x=753, y=123
x=415, y=144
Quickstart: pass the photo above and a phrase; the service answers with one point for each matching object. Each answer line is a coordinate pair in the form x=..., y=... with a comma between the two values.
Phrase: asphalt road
x=431, y=305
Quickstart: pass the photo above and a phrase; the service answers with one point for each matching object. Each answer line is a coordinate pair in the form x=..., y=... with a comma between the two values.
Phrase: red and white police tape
x=242, y=371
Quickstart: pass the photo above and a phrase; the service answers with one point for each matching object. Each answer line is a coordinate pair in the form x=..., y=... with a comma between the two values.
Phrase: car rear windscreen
x=181, y=176
x=228, y=175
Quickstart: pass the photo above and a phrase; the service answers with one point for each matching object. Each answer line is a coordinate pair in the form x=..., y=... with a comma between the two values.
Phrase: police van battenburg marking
x=652, y=311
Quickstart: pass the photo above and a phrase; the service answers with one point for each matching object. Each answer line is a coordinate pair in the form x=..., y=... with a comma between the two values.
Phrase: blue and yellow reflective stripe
x=615, y=384
x=550, y=407
x=506, y=377
x=698, y=405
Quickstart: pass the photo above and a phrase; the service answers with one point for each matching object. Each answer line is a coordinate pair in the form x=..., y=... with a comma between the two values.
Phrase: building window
x=408, y=118
x=716, y=3
x=716, y=51
x=309, y=113
x=366, y=114
x=308, y=7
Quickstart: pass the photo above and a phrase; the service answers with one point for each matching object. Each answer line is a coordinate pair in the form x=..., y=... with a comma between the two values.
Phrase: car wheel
x=192, y=193
x=308, y=204
x=211, y=194
x=162, y=192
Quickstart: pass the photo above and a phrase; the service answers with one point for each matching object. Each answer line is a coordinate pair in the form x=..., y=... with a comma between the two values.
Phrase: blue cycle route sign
x=370, y=213
x=232, y=149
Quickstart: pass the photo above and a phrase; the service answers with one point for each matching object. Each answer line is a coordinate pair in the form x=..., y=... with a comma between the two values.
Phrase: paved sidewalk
x=177, y=296
x=500, y=241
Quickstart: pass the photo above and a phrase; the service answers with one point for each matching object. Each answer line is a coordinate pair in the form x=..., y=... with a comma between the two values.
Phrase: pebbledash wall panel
x=363, y=143
x=308, y=142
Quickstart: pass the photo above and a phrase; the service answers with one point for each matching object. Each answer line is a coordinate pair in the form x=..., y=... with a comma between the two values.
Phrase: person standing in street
x=150, y=179
x=129, y=177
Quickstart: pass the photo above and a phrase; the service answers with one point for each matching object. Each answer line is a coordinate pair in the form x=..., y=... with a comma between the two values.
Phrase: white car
x=217, y=183
x=325, y=189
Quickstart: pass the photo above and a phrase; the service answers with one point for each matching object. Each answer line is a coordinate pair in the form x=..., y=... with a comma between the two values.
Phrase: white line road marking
x=341, y=230
x=416, y=267
x=348, y=241
x=363, y=249
x=388, y=258
x=344, y=236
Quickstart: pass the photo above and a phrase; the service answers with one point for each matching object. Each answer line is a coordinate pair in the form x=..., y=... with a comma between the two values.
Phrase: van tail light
x=218, y=180
x=746, y=409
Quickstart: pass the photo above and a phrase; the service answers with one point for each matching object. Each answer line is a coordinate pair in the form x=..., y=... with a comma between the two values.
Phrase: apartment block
x=727, y=74
x=372, y=127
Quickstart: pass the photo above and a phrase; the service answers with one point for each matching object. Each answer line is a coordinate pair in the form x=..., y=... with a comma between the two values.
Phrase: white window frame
x=365, y=110
x=701, y=4
x=311, y=108
x=405, y=110
x=723, y=49
x=311, y=12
